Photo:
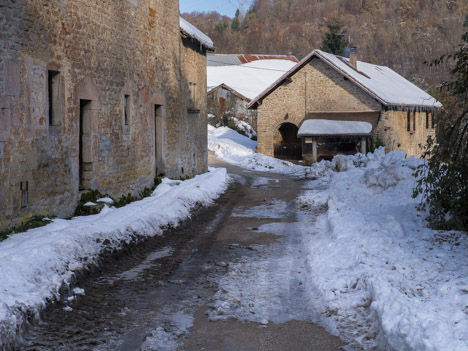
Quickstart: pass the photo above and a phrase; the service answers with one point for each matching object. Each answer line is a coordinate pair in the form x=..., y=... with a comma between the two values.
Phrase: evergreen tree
x=444, y=182
x=235, y=25
x=335, y=40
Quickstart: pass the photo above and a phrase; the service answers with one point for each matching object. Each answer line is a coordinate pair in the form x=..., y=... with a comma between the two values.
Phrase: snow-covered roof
x=384, y=84
x=193, y=32
x=233, y=91
x=240, y=59
x=249, y=79
x=313, y=127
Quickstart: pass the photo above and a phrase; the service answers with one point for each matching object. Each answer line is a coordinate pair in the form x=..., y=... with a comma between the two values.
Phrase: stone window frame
x=429, y=120
x=55, y=119
x=410, y=117
x=86, y=90
x=193, y=108
x=24, y=188
x=158, y=108
x=127, y=109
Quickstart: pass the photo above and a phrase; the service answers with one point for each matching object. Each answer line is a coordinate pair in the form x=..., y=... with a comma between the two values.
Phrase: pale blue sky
x=224, y=7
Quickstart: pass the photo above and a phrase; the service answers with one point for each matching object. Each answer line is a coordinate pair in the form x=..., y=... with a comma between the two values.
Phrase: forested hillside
x=401, y=34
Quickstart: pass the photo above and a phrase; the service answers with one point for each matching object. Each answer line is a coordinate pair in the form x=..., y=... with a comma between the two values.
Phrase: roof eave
x=227, y=87
x=188, y=36
x=360, y=135
x=402, y=107
x=257, y=101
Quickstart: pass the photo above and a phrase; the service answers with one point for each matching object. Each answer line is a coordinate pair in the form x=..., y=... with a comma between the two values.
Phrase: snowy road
x=232, y=278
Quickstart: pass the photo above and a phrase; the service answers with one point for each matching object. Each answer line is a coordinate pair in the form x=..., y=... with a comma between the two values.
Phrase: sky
x=224, y=7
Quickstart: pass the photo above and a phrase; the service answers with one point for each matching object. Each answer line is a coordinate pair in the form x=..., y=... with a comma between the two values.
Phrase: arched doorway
x=287, y=144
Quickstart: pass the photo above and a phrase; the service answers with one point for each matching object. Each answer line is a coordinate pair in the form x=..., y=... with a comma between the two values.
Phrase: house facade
x=345, y=97
x=235, y=79
x=226, y=104
x=95, y=95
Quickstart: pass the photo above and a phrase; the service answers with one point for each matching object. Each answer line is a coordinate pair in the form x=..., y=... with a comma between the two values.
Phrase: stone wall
x=393, y=131
x=193, y=157
x=102, y=56
x=314, y=89
x=223, y=104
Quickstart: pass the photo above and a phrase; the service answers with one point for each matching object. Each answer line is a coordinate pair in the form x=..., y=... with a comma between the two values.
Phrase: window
x=429, y=120
x=193, y=95
x=55, y=103
x=411, y=121
x=24, y=194
x=126, y=109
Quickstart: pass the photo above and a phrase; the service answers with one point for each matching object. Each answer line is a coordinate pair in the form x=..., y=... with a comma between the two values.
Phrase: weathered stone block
x=12, y=77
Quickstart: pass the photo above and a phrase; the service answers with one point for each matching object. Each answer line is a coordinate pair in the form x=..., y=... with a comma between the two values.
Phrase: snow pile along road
x=382, y=277
x=36, y=263
x=236, y=149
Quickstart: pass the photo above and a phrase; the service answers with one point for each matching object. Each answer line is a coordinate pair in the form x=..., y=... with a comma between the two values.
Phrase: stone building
x=350, y=103
x=95, y=95
x=227, y=106
x=235, y=79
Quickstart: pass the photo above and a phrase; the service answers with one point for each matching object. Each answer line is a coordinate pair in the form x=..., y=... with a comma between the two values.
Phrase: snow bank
x=384, y=279
x=36, y=263
x=234, y=148
x=244, y=128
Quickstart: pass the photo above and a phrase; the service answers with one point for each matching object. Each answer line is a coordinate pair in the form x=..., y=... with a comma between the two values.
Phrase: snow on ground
x=377, y=265
x=244, y=127
x=234, y=148
x=166, y=337
x=36, y=263
x=360, y=260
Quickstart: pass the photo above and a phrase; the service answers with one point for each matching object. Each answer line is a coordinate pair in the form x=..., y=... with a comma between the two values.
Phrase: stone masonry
x=224, y=103
x=319, y=90
x=94, y=95
x=315, y=88
x=194, y=129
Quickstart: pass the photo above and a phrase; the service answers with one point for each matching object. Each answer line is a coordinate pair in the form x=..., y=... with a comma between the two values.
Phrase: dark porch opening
x=287, y=144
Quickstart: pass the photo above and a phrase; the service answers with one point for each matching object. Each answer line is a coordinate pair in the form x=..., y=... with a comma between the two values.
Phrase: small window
x=126, y=109
x=429, y=120
x=55, y=103
x=193, y=95
x=24, y=194
x=411, y=121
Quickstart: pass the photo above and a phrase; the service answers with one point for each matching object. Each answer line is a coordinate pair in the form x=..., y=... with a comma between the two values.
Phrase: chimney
x=353, y=58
